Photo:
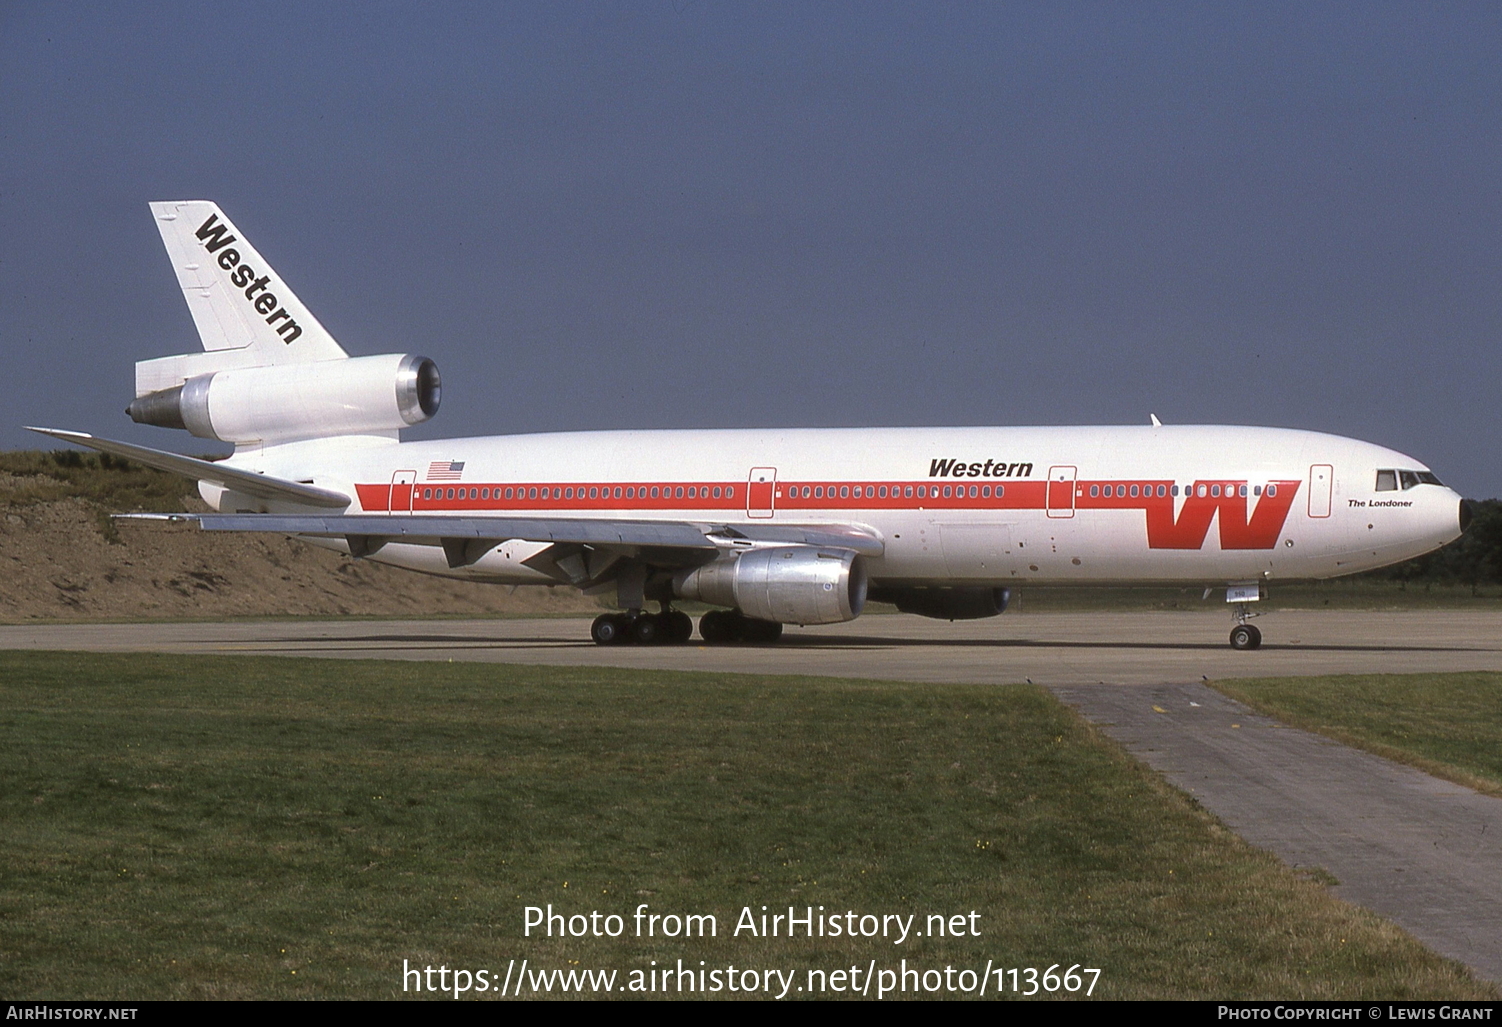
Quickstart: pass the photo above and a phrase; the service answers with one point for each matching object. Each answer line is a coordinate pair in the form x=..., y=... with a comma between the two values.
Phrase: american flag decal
x=445, y=470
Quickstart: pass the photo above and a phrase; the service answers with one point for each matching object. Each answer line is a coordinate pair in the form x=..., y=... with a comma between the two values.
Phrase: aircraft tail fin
x=246, y=314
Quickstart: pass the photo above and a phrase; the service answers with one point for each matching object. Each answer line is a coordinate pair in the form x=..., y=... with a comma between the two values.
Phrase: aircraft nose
x=1466, y=516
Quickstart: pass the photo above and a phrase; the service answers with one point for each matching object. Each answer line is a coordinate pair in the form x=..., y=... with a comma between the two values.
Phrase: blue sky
x=686, y=214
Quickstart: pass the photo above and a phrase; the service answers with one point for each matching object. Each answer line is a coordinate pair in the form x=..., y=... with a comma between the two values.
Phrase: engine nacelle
x=943, y=603
x=790, y=585
x=354, y=396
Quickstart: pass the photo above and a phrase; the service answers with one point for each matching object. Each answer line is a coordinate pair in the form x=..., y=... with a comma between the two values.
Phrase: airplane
x=768, y=527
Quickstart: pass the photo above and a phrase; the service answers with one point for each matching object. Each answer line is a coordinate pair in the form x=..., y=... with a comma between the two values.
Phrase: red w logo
x=1188, y=531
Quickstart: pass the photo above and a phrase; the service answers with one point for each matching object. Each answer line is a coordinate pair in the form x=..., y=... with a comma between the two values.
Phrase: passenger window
x=985, y=492
x=844, y=491
x=1387, y=481
x=1001, y=490
x=1256, y=490
x=1175, y=491
x=1272, y=490
x=1241, y=491
x=908, y=492
x=1134, y=491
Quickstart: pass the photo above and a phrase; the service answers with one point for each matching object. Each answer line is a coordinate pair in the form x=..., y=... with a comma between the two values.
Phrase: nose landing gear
x=1244, y=636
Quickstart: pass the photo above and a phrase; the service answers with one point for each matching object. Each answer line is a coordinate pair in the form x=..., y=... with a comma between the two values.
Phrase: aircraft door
x=1321, y=480
x=1061, y=491
x=761, y=492
x=401, y=491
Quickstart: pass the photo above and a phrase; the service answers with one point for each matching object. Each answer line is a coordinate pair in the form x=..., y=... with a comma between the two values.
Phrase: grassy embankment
x=115, y=486
x=1449, y=725
x=226, y=827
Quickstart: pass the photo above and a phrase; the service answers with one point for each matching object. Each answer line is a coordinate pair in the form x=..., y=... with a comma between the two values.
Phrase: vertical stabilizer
x=238, y=302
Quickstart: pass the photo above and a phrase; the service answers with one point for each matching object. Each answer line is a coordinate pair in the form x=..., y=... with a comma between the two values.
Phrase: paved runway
x=1052, y=649
x=1423, y=852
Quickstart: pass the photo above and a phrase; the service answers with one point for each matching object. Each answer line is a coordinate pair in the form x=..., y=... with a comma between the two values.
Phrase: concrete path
x=1424, y=853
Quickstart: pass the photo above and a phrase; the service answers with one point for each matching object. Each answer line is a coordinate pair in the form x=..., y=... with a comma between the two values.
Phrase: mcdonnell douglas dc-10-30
x=769, y=527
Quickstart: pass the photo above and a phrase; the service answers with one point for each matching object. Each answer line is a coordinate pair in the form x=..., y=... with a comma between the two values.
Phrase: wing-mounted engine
x=285, y=402
x=786, y=584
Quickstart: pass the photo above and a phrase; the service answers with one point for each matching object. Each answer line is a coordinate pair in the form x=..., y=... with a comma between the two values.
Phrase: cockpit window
x=1389, y=481
x=1412, y=478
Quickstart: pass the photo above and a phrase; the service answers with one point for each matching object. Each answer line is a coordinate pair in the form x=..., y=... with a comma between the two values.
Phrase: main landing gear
x=733, y=626
x=670, y=627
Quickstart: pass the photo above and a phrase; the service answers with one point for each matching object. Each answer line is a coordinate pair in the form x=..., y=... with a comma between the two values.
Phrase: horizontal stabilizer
x=249, y=483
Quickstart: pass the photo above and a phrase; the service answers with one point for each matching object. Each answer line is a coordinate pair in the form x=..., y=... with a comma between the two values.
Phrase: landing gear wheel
x=608, y=629
x=1244, y=636
x=715, y=627
x=680, y=626
x=648, y=630
x=764, y=631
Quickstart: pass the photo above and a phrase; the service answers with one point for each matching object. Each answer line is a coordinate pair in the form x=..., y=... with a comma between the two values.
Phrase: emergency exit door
x=761, y=492
x=1061, y=491
x=401, y=491
x=1321, y=482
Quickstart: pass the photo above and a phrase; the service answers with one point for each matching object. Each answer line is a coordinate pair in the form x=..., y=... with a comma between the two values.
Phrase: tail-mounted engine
x=789, y=584
x=353, y=396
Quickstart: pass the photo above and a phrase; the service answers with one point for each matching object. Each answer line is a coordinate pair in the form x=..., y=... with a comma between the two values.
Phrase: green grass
x=1447, y=724
x=259, y=828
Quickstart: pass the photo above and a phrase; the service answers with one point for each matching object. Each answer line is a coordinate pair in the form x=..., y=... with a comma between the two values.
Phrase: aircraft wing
x=262, y=486
x=466, y=539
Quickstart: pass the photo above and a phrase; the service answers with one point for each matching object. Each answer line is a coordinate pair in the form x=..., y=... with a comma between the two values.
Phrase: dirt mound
x=61, y=559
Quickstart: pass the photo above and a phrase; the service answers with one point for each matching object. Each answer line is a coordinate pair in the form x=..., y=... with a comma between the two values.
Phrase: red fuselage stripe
x=1172, y=522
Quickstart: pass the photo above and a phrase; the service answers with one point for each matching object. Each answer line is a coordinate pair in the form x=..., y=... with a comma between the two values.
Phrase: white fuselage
x=983, y=506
